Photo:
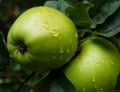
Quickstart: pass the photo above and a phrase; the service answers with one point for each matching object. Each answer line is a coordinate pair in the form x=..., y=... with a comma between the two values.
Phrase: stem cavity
x=22, y=48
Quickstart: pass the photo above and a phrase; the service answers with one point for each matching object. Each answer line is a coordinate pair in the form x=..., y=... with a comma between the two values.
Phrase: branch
x=24, y=83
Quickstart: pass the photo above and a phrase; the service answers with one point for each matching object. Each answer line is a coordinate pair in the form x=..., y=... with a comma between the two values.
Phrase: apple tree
x=93, y=28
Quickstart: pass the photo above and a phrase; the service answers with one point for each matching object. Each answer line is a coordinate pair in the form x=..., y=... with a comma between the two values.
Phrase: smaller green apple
x=96, y=67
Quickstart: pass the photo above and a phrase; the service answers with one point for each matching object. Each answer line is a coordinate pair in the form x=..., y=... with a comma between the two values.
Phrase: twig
x=24, y=83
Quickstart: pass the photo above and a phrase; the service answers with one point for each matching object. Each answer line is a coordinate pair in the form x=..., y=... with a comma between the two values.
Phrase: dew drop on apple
x=95, y=86
x=97, y=90
x=45, y=26
x=84, y=89
x=68, y=50
x=55, y=33
x=112, y=62
x=70, y=41
x=51, y=14
x=93, y=79
x=67, y=59
x=72, y=47
x=101, y=90
x=62, y=24
x=76, y=35
x=102, y=60
x=54, y=57
x=61, y=51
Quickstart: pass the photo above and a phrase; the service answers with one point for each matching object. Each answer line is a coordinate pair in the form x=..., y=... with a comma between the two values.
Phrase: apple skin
x=96, y=67
x=42, y=38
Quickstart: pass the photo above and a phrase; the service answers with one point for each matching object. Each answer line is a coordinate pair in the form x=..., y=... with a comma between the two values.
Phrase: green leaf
x=53, y=4
x=4, y=56
x=60, y=5
x=1, y=43
x=111, y=27
x=96, y=9
x=99, y=3
x=54, y=82
x=79, y=14
x=107, y=10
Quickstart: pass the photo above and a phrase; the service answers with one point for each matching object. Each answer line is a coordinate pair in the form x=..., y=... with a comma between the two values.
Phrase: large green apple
x=42, y=38
x=96, y=67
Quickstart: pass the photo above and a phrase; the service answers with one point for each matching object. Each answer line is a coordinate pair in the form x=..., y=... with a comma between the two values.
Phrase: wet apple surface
x=96, y=67
x=42, y=38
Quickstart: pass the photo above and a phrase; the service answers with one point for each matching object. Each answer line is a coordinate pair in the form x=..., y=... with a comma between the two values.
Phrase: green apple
x=42, y=38
x=96, y=67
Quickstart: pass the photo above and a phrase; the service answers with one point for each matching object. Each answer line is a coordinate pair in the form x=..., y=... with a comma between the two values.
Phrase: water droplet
x=70, y=40
x=101, y=89
x=102, y=60
x=45, y=26
x=112, y=62
x=84, y=89
x=68, y=50
x=93, y=79
x=67, y=59
x=54, y=57
x=72, y=47
x=61, y=24
x=61, y=51
x=97, y=90
x=55, y=33
x=76, y=35
x=95, y=86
